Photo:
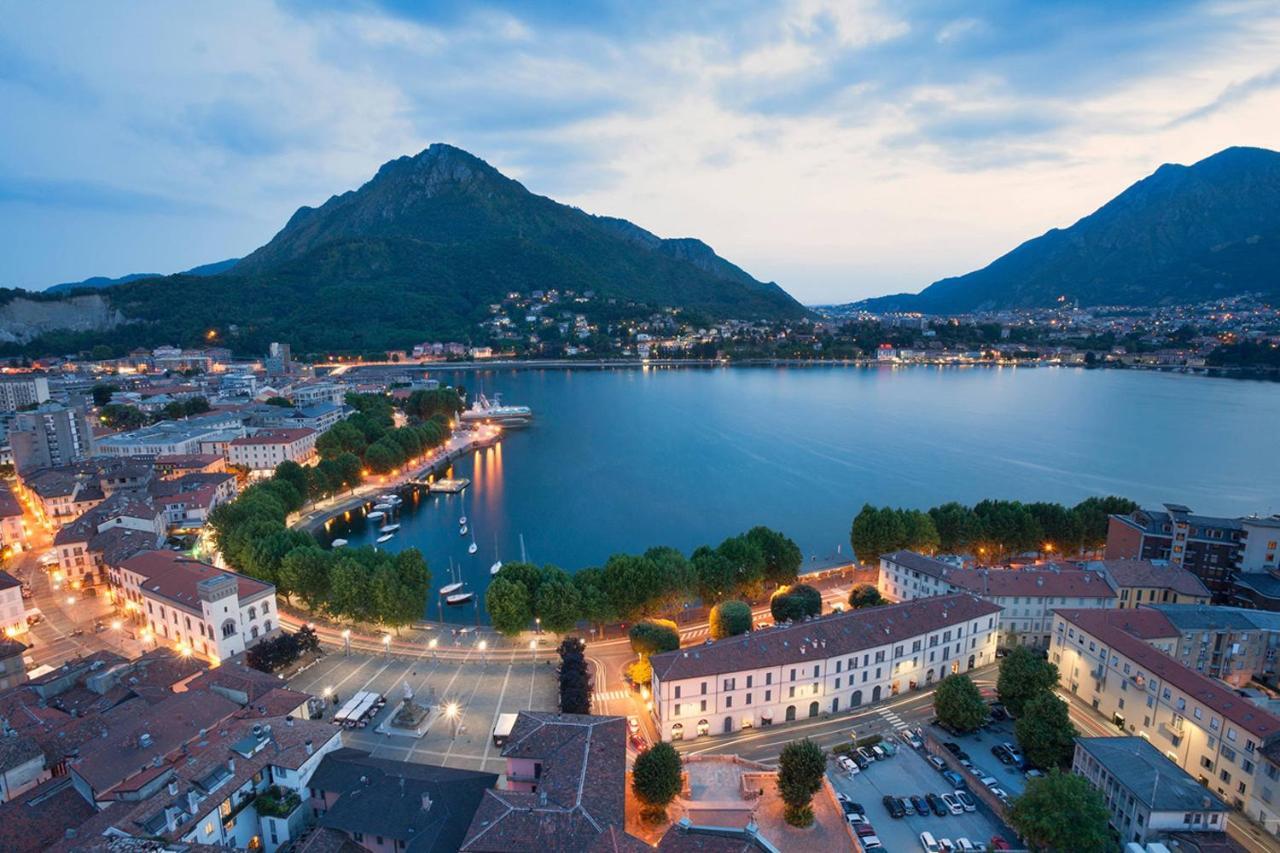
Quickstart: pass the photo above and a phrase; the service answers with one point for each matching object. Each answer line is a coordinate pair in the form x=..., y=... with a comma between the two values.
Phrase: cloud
x=896, y=142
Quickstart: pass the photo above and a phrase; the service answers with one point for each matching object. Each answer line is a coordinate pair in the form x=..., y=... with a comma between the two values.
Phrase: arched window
x=253, y=613
x=253, y=631
x=266, y=626
x=791, y=713
x=857, y=698
x=228, y=629
x=813, y=709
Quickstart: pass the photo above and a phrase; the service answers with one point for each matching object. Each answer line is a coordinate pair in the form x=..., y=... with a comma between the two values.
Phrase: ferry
x=486, y=411
x=389, y=528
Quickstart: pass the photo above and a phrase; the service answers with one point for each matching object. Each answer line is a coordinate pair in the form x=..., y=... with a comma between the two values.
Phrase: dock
x=449, y=485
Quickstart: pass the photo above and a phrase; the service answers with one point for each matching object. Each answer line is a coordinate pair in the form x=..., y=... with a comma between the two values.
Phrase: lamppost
x=346, y=642
x=533, y=647
x=452, y=713
x=537, y=620
x=483, y=644
x=435, y=641
x=386, y=645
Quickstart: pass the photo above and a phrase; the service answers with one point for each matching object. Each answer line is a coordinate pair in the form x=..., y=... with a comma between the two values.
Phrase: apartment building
x=19, y=391
x=1147, y=795
x=174, y=438
x=1027, y=597
x=824, y=665
x=13, y=611
x=1230, y=643
x=193, y=606
x=1121, y=663
x=13, y=527
x=1141, y=582
x=49, y=435
x=264, y=450
x=114, y=529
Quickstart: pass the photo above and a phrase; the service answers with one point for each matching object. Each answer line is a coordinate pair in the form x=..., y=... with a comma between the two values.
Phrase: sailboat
x=338, y=543
x=462, y=531
x=497, y=564
x=472, y=548
x=455, y=585
x=462, y=522
x=454, y=593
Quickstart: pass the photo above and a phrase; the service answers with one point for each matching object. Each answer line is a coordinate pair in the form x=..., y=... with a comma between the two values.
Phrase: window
x=676, y=712
x=677, y=694
x=728, y=701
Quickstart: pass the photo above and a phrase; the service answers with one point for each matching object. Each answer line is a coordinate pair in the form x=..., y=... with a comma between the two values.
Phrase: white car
x=964, y=798
x=928, y=844
x=989, y=781
x=953, y=805
x=847, y=765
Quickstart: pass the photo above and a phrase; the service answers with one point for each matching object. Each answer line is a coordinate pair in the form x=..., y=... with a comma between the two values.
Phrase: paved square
x=483, y=686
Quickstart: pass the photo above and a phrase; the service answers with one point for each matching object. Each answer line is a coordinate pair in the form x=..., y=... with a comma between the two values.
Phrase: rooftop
x=1203, y=617
x=175, y=576
x=821, y=638
x=274, y=436
x=1126, y=631
x=1151, y=778
x=1146, y=574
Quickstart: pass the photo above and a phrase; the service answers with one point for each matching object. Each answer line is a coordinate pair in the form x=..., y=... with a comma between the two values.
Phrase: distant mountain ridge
x=99, y=282
x=1184, y=234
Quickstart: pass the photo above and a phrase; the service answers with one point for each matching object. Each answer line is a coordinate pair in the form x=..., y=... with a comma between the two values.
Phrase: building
x=13, y=612
x=1026, y=597
x=1230, y=643
x=313, y=393
x=1146, y=794
x=264, y=450
x=18, y=391
x=317, y=416
x=1121, y=663
x=382, y=805
x=13, y=528
x=13, y=667
x=117, y=528
x=49, y=435
x=169, y=467
x=193, y=606
x=824, y=665
x=565, y=785
x=1140, y=582
x=1213, y=549
x=174, y=438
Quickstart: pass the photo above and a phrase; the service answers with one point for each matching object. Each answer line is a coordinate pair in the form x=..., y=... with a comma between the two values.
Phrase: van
x=879, y=753
x=928, y=844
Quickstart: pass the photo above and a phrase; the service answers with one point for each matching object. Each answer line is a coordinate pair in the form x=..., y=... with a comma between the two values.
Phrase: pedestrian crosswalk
x=893, y=719
x=607, y=695
x=696, y=633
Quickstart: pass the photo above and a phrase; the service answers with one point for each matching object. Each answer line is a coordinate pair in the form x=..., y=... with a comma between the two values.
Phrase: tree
x=349, y=592
x=801, y=766
x=575, y=683
x=875, y=532
x=282, y=402
x=508, y=604
x=593, y=601
x=958, y=703
x=634, y=585
x=1062, y=811
x=1062, y=529
x=747, y=561
x=782, y=557
x=1045, y=732
x=295, y=475
x=713, y=574
x=675, y=578
x=1024, y=675
x=558, y=604
x=921, y=534
x=653, y=637
x=102, y=394
x=865, y=595
x=656, y=779
x=305, y=570
x=791, y=604
x=959, y=529
x=729, y=619
x=1093, y=513
x=120, y=416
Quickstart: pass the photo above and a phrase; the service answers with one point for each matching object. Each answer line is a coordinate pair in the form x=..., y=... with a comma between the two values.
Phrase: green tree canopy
x=305, y=570
x=558, y=603
x=102, y=394
x=295, y=475
x=729, y=619
x=713, y=573
x=958, y=703
x=508, y=604
x=1092, y=514
x=1062, y=811
x=801, y=766
x=654, y=637
x=782, y=557
x=656, y=778
x=791, y=604
x=875, y=532
x=1045, y=732
x=747, y=561
x=865, y=595
x=1024, y=675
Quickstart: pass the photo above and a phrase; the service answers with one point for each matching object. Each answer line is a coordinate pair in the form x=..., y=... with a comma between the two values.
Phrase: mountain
x=1184, y=234
x=420, y=252
x=98, y=282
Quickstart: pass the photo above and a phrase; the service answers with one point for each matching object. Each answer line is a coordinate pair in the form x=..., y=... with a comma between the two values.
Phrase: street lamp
x=483, y=645
x=435, y=641
x=386, y=644
x=451, y=713
x=537, y=620
x=346, y=642
x=533, y=647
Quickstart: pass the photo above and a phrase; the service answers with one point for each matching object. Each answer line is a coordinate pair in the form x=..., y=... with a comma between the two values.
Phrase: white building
x=266, y=449
x=172, y=438
x=13, y=613
x=1027, y=596
x=22, y=390
x=194, y=606
x=825, y=665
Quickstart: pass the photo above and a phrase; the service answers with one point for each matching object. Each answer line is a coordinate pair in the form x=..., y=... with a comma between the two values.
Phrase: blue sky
x=842, y=149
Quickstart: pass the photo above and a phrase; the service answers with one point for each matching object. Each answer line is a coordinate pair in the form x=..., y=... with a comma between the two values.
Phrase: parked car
x=908, y=808
x=865, y=755
x=953, y=778
x=920, y=804
x=964, y=845
x=862, y=763
x=1013, y=751
x=911, y=740
x=937, y=762
x=1002, y=754
x=1001, y=794
x=893, y=806
x=633, y=723
x=952, y=804
x=852, y=808
x=998, y=711
x=879, y=753
x=845, y=762
x=998, y=843
x=952, y=747
x=928, y=844
x=1033, y=773
x=965, y=800
x=989, y=781
x=871, y=842
x=865, y=830
x=946, y=846
x=935, y=802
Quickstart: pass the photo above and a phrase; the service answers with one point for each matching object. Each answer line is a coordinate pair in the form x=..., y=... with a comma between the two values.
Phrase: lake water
x=620, y=460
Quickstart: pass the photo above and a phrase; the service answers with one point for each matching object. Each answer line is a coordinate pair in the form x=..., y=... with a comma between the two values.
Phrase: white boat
x=495, y=568
x=394, y=500
x=486, y=411
x=338, y=543
x=459, y=598
x=462, y=531
x=462, y=522
x=385, y=537
x=472, y=548
x=375, y=515
x=450, y=588
x=389, y=528
x=383, y=507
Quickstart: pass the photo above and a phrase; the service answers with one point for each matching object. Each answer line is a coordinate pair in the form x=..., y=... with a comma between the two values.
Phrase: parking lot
x=905, y=774
x=483, y=686
x=978, y=745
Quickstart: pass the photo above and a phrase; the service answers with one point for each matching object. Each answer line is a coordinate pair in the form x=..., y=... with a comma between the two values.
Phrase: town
x=166, y=682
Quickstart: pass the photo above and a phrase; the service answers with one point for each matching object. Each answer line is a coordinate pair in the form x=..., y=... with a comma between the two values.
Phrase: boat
x=389, y=528
x=450, y=588
x=472, y=548
x=375, y=515
x=463, y=531
x=459, y=598
x=383, y=507
x=486, y=411
x=463, y=521
x=495, y=568
x=384, y=537
x=449, y=485
x=338, y=543
x=394, y=500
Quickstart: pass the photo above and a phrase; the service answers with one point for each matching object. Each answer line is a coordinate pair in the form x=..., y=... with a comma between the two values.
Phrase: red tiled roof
x=827, y=637
x=273, y=436
x=176, y=577
x=1146, y=574
x=9, y=506
x=1124, y=631
x=1032, y=582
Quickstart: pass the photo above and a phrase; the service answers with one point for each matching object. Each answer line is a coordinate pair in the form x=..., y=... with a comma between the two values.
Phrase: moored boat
x=375, y=515
x=384, y=538
x=338, y=543
x=389, y=528
x=450, y=588
x=459, y=598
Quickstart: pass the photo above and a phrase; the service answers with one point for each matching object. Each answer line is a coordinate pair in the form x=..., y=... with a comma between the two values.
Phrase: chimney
x=308, y=747
x=173, y=787
x=288, y=721
x=193, y=801
x=426, y=802
x=231, y=764
x=144, y=740
x=171, y=818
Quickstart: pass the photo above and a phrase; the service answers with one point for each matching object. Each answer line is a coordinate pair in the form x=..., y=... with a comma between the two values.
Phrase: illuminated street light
x=451, y=713
x=346, y=642
x=533, y=647
x=483, y=644
x=386, y=644
x=435, y=641
x=71, y=599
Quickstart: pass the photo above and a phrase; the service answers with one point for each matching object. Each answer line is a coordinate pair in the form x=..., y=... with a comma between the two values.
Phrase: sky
x=842, y=149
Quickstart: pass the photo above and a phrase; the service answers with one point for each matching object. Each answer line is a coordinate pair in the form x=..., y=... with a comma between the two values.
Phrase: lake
x=620, y=460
